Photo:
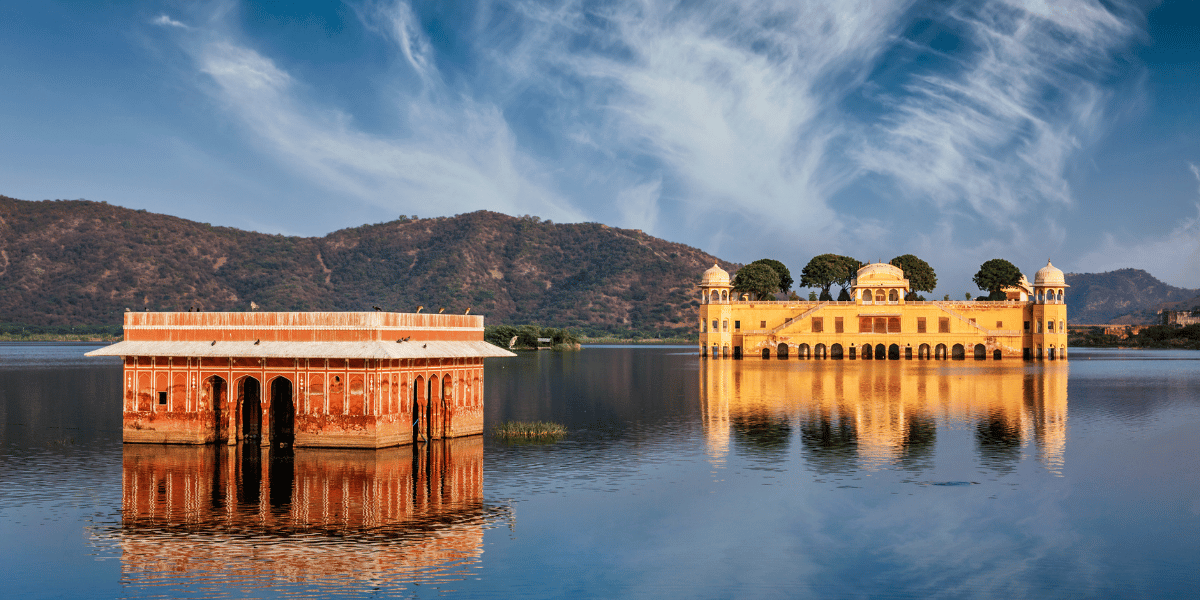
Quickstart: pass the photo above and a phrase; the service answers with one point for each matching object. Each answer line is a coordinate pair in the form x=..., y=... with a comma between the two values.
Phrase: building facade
x=315, y=379
x=880, y=324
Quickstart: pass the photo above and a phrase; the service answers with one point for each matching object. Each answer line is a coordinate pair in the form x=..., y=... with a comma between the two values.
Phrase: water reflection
x=335, y=518
x=868, y=416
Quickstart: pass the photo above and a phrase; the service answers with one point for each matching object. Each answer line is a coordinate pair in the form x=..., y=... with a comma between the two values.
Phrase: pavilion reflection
x=856, y=416
x=250, y=518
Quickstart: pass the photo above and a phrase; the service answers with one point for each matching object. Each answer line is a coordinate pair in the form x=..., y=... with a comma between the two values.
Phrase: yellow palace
x=880, y=324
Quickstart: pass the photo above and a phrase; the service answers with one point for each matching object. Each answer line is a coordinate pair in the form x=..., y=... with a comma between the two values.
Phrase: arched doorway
x=251, y=409
x=766, y=353
x=418, y=399
x=958, y=352
x=923, y=352
x=996, y=354
x=867, y=350
x=893, y=352
x=1062, y=351
x=940, y=352
x=835, y=352
x=819, y=351
x=881, y=352
x=782, y=351
x=215, y=393
x=803, y=351
x=980, y=352
x=283, y=413
x=431, y=400
x=1050, y=353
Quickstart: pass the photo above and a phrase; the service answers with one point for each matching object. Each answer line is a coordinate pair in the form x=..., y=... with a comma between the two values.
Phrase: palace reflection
x=867, y=416
x=253, y=519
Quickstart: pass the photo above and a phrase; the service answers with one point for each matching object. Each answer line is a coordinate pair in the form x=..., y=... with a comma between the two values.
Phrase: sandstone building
x=317, y=379
x=880, y=324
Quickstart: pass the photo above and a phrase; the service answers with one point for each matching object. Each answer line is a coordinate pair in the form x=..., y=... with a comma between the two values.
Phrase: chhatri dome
x=716, y=276
x=1050, y=275
x=880, y=272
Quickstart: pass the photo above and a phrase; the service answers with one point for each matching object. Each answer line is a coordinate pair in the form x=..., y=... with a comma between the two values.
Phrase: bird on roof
x=256, y=342
x=441, y=310
x=468, y=311
x=376, y=308
x=424, y=345
x=127, y=309
x=419, y=308
x=408, y=338
x=214, y=342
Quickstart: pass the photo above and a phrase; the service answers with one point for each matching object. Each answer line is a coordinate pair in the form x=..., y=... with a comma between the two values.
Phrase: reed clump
x=536, y=430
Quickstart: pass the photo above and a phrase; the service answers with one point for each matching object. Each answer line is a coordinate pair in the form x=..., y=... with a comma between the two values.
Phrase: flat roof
x=271, y=349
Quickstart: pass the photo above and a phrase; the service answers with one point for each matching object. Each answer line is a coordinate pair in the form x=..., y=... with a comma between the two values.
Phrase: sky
x=958, y=131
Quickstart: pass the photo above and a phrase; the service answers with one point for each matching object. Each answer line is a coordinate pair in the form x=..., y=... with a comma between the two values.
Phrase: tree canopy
x=756, y=279
x=919, y=274
x=827, y=269
x=995, y=275
x=785, y=276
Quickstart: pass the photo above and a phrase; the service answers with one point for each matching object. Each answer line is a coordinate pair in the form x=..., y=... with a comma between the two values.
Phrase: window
x=838, y=325
x=880, y=324
x=920, y=324
x=725, y=325
x=1050, y=326
x=818, y=324
x=703, y=329
x=715, y=328
x=162, y=397
x=999, y=324
x=1061, y=328
x=1039, y=327
x=762, y=324
x=864, y=325
x=972, y=321
x=893, y=325
x=1026, y=326
x=880, y=297
x=737, y=325
x=943, y=324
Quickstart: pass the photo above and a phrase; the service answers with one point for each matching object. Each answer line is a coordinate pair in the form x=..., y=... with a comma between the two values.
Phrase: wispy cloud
x=1195, y=173
x=166, y=21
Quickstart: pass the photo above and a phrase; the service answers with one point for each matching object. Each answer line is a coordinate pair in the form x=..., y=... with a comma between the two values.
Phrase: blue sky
x=957, y=131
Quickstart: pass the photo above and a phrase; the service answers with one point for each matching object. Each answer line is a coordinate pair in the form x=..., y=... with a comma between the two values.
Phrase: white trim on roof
x=267, y=349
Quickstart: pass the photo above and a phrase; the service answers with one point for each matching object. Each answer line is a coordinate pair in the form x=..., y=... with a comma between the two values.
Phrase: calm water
x=681, y=477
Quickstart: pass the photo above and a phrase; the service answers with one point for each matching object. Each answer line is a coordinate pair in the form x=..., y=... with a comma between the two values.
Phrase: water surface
x=681, y=476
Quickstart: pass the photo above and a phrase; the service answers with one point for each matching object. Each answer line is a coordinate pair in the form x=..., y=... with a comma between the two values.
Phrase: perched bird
x=468, y=311
x=127, y=309
x=407, y=338
x=376, y=308
x=256, y=342
x=441, y=310
x=424, y=345
x=214, y=342
x=419, y=308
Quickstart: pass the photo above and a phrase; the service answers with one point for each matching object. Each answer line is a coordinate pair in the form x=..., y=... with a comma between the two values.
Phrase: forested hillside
x=78, y=262
x=1124, y=295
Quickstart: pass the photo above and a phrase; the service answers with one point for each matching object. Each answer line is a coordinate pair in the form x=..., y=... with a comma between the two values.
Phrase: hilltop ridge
x=84, y=262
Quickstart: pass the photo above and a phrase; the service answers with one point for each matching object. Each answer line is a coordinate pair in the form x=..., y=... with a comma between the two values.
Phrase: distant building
x=318, y=379
x=880, y=324
x=1179, y=318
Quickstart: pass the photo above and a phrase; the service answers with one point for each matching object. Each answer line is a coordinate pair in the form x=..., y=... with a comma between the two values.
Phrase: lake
x=680, y=477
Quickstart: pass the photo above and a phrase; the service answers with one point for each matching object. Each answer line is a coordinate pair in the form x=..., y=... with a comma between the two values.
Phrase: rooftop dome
x=880, y=272
x=1050, y=275
x=715, y=276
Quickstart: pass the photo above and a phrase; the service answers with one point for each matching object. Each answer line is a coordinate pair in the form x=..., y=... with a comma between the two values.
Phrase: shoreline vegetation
x=530, y=431
x=1154, y=337
x=13, y=332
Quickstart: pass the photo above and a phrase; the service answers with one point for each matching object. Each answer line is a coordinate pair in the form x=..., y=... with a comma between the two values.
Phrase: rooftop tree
x=995, y=275
x=756, y=279
x=785, y=276
x=828, y=269
x=919, y=274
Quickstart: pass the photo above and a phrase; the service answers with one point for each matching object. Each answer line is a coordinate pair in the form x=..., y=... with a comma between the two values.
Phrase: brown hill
x=78, y=262
x=1124, y=295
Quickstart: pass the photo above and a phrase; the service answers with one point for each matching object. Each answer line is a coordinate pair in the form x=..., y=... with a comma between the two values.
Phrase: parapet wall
x=300, y=326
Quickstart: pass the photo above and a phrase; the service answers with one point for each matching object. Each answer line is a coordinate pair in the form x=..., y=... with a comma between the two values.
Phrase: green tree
x=919, y=274
x=824, y=271
x=995, y=275
x=812, y=296
x=785, y=276
x=758, y=280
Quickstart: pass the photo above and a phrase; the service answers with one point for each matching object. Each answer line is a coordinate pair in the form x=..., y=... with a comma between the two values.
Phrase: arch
x=835, y=352
x=819, y=351
x=804, y=351
x=1050, y=353
x=782, y=351
x=716, y=351
x=251, y=413
x=880, y=352
x=725, y=351
x=1059, y=300
x=980, y=352
x=766, y=353
x=880, y=297
x=893, y=297
x=940, y=352
x=716, y=297
x=923, y=351
x=418, y=399
x=866, y=352
x=283, y=413
x=724, y=295
x=996, y=354
x=957, y=352
x=1041, y=297
x=893, y=352
x=1062, y=351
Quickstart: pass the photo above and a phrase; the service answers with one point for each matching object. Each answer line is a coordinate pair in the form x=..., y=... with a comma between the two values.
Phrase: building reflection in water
x=854, y=416
x=334, y=518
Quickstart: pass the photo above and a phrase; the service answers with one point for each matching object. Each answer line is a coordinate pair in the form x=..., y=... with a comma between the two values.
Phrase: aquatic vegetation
x=536, y=430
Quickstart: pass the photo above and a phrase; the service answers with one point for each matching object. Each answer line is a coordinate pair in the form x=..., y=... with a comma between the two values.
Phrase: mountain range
x=77, y=262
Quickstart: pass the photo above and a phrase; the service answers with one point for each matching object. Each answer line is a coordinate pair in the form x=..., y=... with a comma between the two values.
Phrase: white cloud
x=1195, y=173
x=639, y=205
x=166, y=21
x=1175, y=259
